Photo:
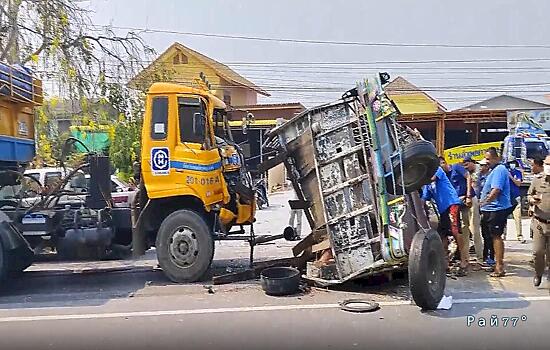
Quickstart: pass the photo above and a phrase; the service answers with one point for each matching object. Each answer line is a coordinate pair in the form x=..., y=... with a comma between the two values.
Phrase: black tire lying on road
x=427, y=271
x=420, y=163
x=185, y=246
x=3, y=263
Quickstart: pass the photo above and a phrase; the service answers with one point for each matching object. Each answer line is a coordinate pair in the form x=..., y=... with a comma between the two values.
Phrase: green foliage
x=126, y=138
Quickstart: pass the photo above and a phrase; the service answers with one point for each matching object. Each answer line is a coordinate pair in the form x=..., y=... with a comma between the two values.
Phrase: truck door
x=196, y=159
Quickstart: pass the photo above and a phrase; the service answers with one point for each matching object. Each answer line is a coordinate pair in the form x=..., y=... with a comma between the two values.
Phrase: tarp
x=95, y=140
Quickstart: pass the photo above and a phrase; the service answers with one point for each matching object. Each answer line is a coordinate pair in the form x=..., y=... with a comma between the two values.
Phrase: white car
x=121, y=193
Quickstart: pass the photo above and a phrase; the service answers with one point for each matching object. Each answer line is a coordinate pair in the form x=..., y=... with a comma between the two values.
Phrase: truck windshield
x=536, y=150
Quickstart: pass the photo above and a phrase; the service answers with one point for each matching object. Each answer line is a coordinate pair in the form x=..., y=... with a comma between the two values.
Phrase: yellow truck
x=194, y=184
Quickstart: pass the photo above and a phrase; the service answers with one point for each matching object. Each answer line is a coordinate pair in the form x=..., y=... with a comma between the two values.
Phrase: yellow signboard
x=476, y=151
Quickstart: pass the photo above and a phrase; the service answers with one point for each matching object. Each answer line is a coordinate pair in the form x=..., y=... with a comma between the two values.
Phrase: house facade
x=182, y=65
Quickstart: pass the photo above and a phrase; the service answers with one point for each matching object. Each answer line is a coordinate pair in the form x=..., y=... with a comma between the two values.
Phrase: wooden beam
x=298, y=204
x=272, y=162
x=305, y=243
x=440, y=135
x=320, y=246
x=475, y=133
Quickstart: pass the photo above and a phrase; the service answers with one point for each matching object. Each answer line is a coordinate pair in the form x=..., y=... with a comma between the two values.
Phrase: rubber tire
x=427, y=257
x=205, y=240
x=368, y=305
x=3, y=263
x=420, y=163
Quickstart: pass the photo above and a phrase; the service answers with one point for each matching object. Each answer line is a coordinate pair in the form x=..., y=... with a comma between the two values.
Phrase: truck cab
x=195, y=186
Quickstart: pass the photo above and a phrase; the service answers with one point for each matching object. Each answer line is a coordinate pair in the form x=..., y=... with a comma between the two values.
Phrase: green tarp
x=95, y=141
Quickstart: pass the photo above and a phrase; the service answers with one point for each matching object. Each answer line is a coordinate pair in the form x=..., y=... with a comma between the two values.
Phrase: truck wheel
x=427, y=272
x=185, y=246
x=3, y=263
x=420, y=163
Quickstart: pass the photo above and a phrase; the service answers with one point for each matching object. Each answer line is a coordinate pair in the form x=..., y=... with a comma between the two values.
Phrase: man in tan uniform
x=539, y=198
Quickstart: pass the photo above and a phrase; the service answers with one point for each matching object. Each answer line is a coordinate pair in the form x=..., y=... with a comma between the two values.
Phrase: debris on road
x=210, y=289
x=359, y=305
x=278, y=281
x=255, y=272
x=446, y=303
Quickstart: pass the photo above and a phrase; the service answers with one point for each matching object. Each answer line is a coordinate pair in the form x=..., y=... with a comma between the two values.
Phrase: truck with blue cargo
x=19, y=94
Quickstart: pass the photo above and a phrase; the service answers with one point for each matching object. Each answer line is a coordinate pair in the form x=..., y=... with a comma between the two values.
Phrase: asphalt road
x=75, y=306
x=141, y=310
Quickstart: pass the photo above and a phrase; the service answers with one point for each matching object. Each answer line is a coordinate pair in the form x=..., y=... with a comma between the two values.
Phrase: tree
x=58, y=36
x=90, y=63
x=126, y=138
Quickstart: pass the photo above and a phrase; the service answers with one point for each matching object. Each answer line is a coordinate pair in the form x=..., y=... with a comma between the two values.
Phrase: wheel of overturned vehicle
x=427, y=269
x=419, y=164
x=185, y=246
x=3, y=262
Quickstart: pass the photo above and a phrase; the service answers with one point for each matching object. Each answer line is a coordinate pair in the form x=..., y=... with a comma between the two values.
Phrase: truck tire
x=185, y=246
x=420, y=163
x=427, y=271
x=3, y=262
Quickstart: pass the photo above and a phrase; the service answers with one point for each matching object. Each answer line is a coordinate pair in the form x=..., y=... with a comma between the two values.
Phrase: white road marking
x=242, y=309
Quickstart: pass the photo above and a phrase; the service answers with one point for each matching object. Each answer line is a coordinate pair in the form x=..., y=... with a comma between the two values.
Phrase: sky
x=329, y=70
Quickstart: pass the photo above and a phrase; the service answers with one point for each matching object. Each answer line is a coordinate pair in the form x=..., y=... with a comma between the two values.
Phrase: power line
x=327, y=42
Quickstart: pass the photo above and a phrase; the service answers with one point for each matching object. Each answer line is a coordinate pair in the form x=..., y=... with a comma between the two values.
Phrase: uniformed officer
x=539, y=198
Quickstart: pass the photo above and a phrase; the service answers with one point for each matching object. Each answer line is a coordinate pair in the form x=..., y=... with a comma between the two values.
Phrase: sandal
x=461, y=272
x=498, y=274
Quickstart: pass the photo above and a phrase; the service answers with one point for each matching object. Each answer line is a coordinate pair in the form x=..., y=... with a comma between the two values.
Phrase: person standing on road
x=537, y=168
x=516, y=177
x=475, y=227
x=495, y=207
x=448, y=205
x=538, y=196
x=462, y=183
x=486, y=249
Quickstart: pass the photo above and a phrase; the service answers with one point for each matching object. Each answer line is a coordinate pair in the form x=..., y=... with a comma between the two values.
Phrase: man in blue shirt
x=495, y=207
x=448, y=205
x=486, y=247
x=516, y=177
x=462, y=182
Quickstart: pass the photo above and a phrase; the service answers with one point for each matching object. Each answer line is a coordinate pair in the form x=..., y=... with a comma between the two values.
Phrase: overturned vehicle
x=357, y=173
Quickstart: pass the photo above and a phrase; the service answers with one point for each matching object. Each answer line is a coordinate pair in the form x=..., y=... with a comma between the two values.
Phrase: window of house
x=180, y=58
x=159, y=119
x=227, y=99
x=191, y=112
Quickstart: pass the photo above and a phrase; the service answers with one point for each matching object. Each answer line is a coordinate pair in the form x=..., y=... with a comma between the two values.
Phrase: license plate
x=33, y=220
